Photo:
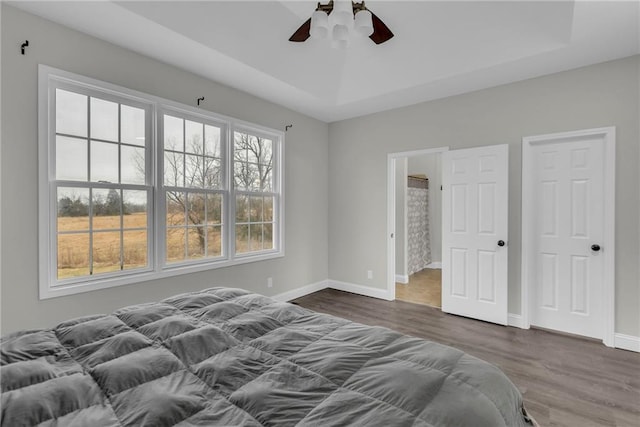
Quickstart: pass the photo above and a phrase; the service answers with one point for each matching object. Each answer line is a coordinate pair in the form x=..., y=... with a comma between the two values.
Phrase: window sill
x=65, y=289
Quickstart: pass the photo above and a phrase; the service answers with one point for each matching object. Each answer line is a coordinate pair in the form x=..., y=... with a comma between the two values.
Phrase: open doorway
x=418, y=228
x=474, y=230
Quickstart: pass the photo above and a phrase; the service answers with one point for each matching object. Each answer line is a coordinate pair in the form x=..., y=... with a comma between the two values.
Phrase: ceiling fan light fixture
x=338, y=19
x=364, y=23
x=319, y=25
x=342, y=13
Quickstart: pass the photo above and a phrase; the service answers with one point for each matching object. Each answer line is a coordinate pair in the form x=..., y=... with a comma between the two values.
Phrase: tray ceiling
x=439, y=49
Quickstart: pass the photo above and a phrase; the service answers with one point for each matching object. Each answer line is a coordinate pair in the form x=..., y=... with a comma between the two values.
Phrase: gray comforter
x=228, y=357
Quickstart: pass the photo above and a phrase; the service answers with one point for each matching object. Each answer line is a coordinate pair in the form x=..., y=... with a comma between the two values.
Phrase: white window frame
x=157, y=267
x=276, y=192
x=224, y=188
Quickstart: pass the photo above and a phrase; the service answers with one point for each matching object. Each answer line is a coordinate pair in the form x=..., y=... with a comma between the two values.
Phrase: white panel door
x=474, y=232
x=567, y=262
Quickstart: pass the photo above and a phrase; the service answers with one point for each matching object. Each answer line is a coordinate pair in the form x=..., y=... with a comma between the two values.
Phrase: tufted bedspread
x=228, y=357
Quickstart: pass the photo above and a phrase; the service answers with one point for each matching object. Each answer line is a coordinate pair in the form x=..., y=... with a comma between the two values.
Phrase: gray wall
x=599, y=95
x=306, y=180
x=430, y=165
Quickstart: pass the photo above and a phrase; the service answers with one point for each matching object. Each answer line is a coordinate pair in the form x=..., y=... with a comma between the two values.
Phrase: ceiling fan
x=337, y=18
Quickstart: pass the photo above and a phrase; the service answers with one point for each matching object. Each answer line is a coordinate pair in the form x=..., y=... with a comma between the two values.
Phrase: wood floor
x=424, y=287
x=565, y=380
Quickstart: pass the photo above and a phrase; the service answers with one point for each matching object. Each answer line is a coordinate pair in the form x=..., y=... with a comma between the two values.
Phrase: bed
x=227, y=357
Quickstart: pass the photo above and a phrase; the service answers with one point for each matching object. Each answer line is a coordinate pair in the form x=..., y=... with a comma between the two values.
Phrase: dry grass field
x=73, y=249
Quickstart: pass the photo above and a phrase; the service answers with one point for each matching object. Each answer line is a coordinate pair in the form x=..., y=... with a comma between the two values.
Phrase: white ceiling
x=440, y=48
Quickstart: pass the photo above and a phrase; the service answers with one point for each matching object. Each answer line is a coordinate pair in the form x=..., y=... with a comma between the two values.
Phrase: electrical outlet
x=369, y=274
x=269, y=282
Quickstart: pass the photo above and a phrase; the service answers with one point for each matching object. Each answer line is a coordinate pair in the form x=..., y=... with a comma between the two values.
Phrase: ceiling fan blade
x=302, y=33
x=381, y=33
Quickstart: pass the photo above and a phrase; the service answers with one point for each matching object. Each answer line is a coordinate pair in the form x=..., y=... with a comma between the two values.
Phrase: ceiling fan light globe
x=319, y=33
x=364, y=23
x=319, y=25
x=342, y=13
x=340, y=33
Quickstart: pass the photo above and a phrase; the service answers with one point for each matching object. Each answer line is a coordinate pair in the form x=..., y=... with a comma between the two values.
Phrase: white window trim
x=158, y=269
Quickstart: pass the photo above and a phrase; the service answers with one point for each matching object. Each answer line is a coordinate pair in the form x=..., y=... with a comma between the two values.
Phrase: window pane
x=259, y=150
x=255, y=234
x=106, y=208
x=212, y=173
x=133, y=165
x=173, y=133
x=132, y=125
x=173, y=169
x=176, y=203
x=196, y=208
x=242, y=209
x=211, y=141
x=176, y=244
x=255, y=209
x=268, y=209
x=135, y=249
x=193, y=171
x=73, y=255
x=268, y=236
x=265, y=177
x=214, y=209
x=73, y=209
x=134, y=208
x=104, y=119
x=194, y=135
x=265, y=156
x=71, y=113
x=71, y=159
x=242, y=239
x=106, y=252
x=241, y=141
x=245, y=176
x=253, y=148
x=214, y=241
x=197, y=242
x=254, y=179
x=104, y=162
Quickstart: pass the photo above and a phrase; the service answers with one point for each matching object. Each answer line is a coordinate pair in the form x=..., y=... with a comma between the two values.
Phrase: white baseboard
x=402, y=278
x=300, y=292
x=626, y=342
x=435, y=264
x=360, y=290
x=515, y=320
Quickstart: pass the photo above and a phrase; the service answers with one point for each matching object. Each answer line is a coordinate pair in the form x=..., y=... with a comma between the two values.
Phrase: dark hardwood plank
x=565, y=380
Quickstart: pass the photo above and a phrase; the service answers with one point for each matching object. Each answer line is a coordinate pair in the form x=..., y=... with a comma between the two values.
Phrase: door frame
x=391, y=211
x=608, y=135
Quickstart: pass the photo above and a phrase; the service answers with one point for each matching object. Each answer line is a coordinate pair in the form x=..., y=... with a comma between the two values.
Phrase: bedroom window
x=134, y=187
x=254, y=193
x=194, y=190
x=101, y=183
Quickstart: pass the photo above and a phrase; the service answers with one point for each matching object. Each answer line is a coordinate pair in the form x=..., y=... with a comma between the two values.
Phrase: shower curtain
x=419, y=248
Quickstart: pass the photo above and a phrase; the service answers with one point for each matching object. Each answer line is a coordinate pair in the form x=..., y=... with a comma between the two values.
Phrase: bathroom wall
x=430, y=165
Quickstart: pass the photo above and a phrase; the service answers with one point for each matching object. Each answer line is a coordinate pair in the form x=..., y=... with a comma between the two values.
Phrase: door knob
x=500, y=242
x=595, y=248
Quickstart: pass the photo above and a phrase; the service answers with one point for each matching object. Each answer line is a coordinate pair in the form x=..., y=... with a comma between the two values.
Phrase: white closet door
x=568, y=233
